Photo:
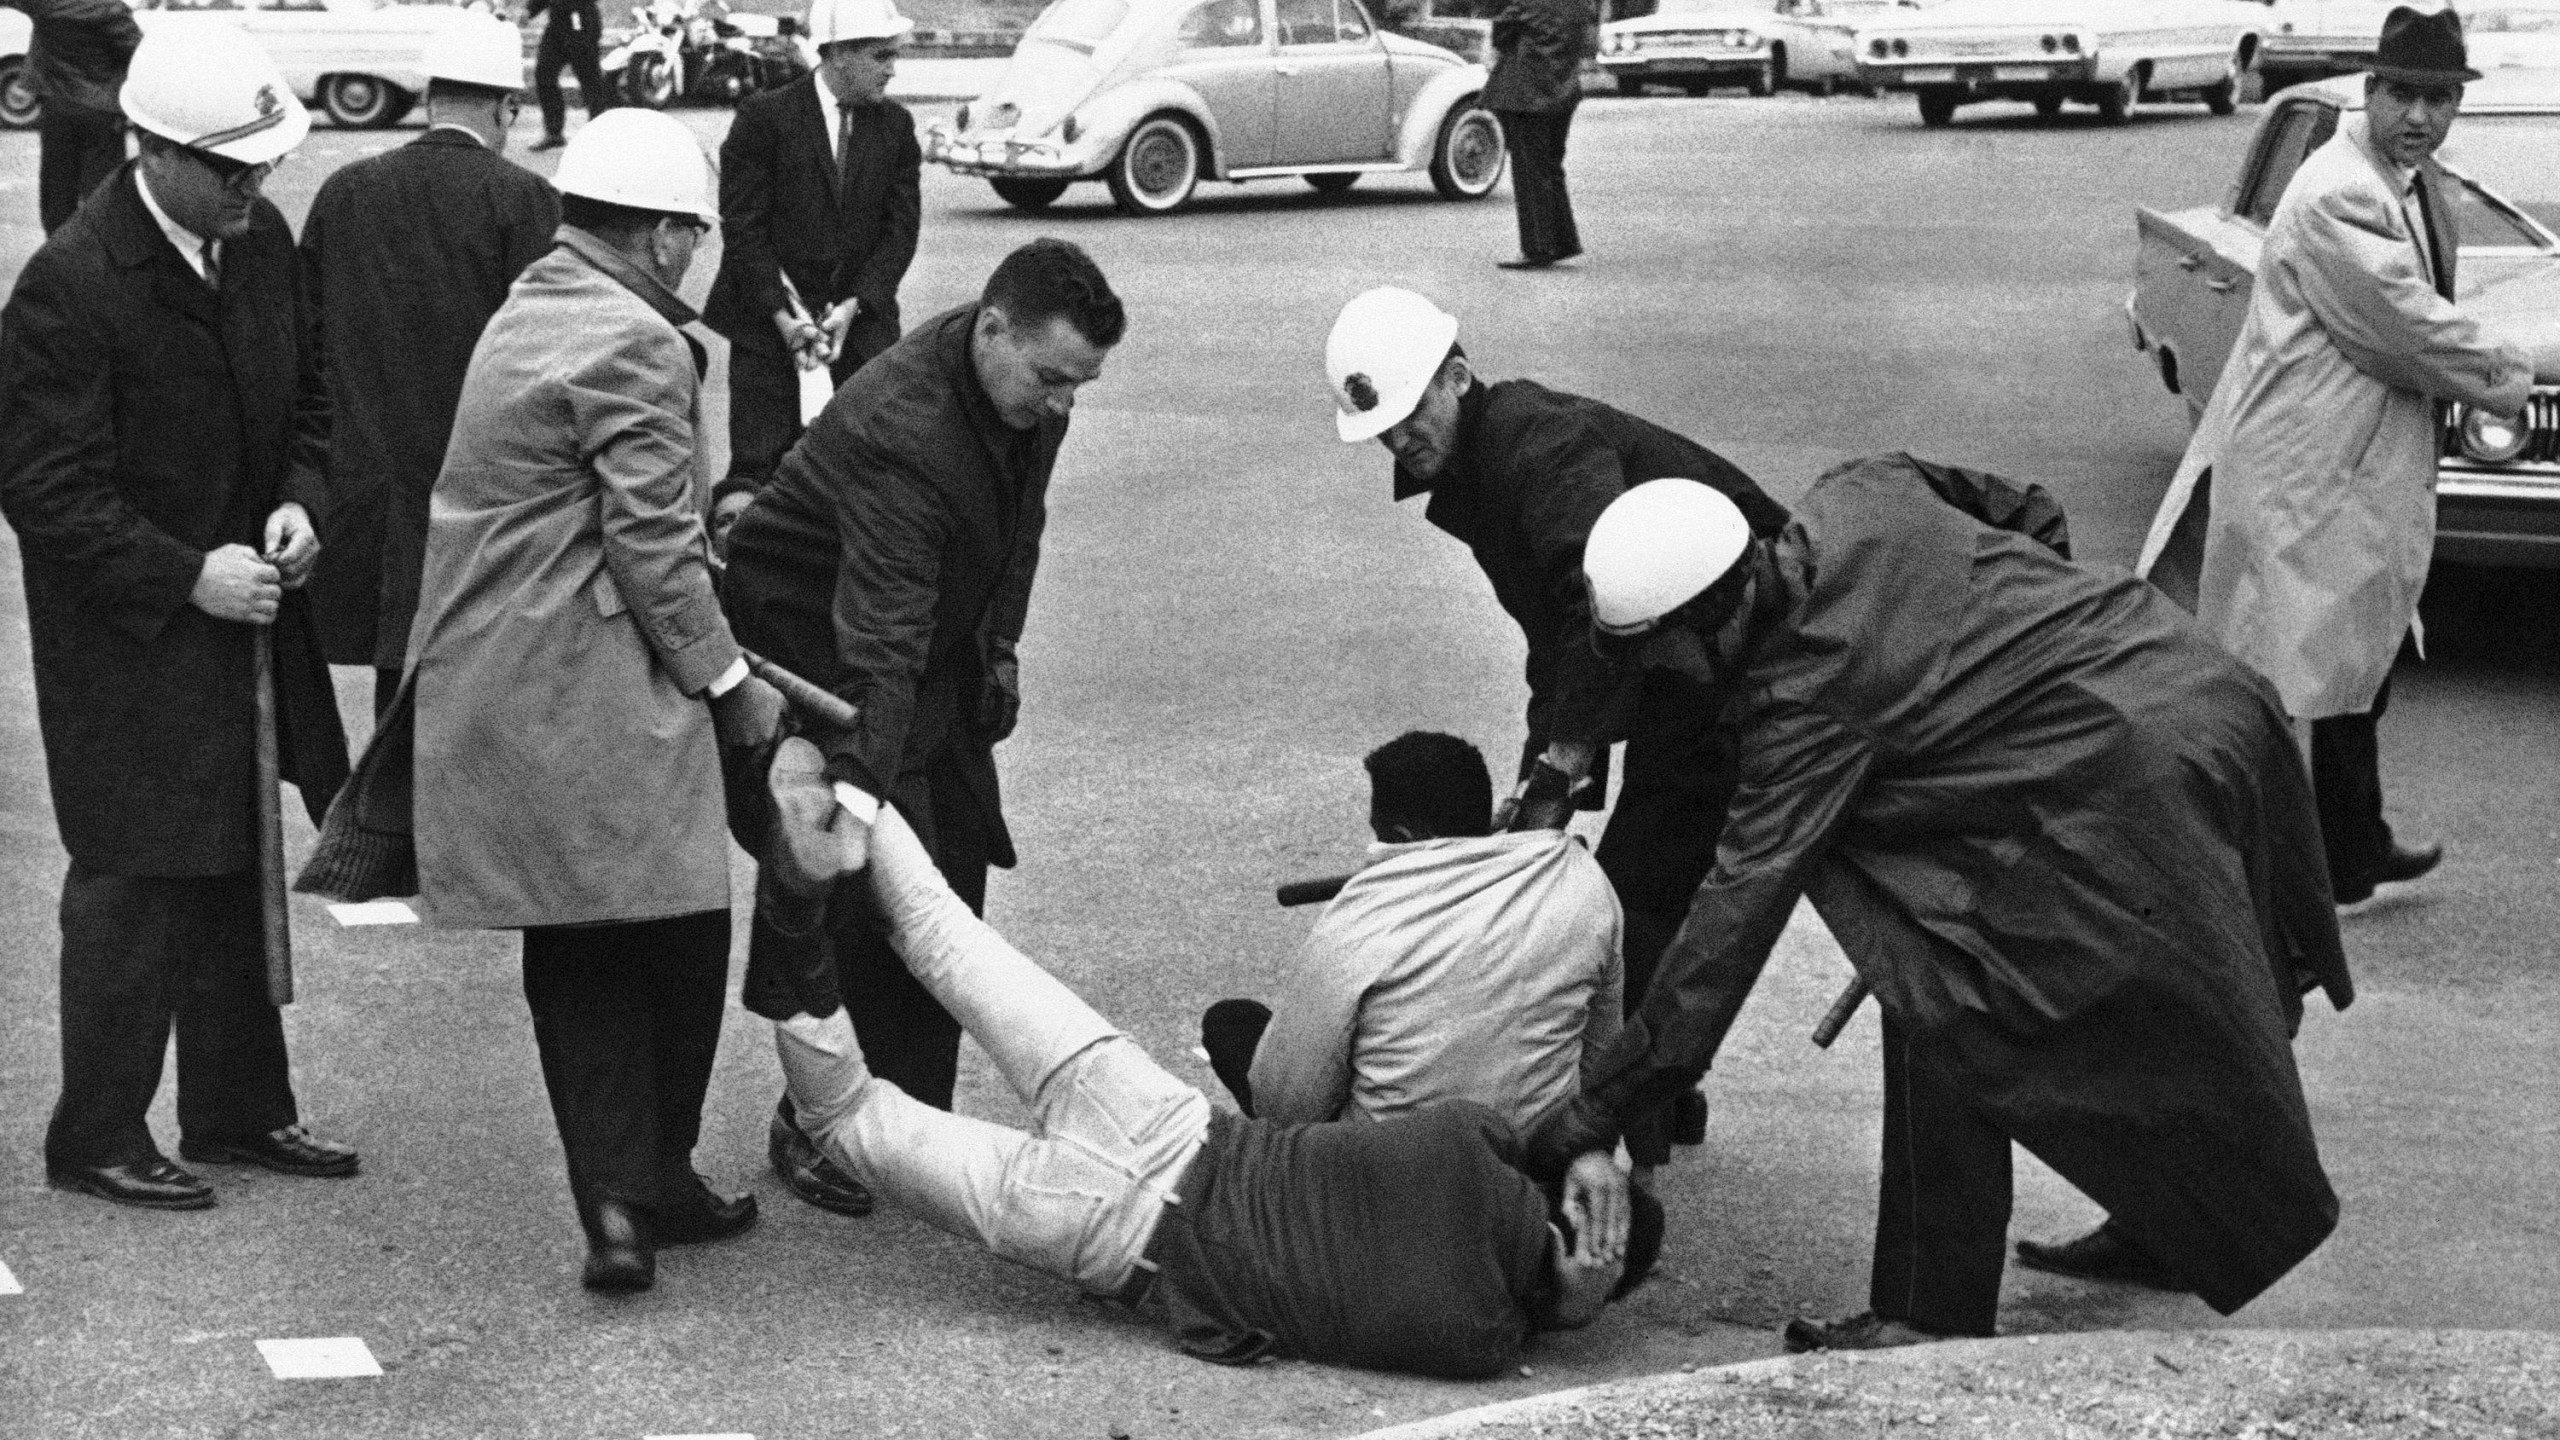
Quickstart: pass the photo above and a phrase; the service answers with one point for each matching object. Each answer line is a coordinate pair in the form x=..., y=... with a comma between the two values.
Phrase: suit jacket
x=405, y=256
x=77, y=56
x=891, y=561
x=566, y=770
x=2322, y=432
x=1539, y=47
x=144, y=421
x=781, y=213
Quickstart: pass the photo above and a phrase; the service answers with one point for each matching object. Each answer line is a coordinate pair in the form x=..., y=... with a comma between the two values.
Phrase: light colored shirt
x=190, y=246
x=834, y=113
x=1483, y=969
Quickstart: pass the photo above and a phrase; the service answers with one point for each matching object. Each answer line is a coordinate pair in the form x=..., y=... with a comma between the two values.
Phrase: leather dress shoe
x=2401, y=864
x=1865, y=1330
x=2102, y=1254
x=1527, y=262
x=703, y=1215
x=619, y=1256
x=151, y=1183
x=810, y=1175
x=289, y=1151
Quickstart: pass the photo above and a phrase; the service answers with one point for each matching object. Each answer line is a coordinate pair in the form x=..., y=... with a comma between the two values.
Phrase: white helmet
x=477, y=49
x=1385, y=347
x=638, y=158
x=1655, y=548
x=211, y=88
x=834, y=20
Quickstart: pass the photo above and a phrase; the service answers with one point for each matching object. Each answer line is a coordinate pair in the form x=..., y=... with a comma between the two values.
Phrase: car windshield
x=1082, y=23
x=2511, y=154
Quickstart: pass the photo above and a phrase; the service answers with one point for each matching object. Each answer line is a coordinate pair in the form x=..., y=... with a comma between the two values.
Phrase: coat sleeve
x=2023, y=508
x=314, y=412
x=877, y=284
x=2361, y=279
x=750, y=162
x=1571, y=475
x=1607, y=1015
x=1302, y=1069
x=530, y=228
x=1011, y=607
x=632, y=409
x=893, y=524
x=58, y=456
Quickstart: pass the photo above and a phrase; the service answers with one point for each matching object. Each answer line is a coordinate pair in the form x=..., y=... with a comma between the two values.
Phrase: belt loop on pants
x=1133, y=1292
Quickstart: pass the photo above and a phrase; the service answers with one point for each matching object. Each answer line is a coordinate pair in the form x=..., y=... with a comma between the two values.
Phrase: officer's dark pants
x=1536, y=142
x=764, y=390
x=142, y=955
x=2346, y=780
x=1942, y=1210
x=79, y=147
x=627, y=1018
x=575, y=48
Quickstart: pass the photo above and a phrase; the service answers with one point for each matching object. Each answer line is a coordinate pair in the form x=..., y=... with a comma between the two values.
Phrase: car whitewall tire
x=1158, y=168
x=359, y=102
x=1467, y=158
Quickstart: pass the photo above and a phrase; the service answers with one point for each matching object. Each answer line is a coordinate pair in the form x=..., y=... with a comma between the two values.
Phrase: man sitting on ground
x=1412, y=1244
x=1461, y=964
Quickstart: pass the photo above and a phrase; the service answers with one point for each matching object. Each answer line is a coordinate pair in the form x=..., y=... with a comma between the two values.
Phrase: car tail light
x=1901, y=48
x=1878, y=48
x=962, y=119
x=2490, y=438
x=2051, y=44
x=1069, y=131
x=2071, y=43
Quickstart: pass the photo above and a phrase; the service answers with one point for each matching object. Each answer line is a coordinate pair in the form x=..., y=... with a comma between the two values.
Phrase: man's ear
x=1457, y=374
x=993, y=323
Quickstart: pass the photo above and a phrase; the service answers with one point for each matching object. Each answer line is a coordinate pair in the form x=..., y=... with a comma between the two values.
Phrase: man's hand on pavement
x=292, y=544
x=748, y=714
x=236, y=585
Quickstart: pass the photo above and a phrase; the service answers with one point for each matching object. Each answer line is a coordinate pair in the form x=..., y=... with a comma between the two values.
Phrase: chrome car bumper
x=1001, y=156
x=2503, y=513
x=1989, y=77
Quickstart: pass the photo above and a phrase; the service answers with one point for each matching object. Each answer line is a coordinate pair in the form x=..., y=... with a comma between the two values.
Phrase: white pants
x=1078, y=1195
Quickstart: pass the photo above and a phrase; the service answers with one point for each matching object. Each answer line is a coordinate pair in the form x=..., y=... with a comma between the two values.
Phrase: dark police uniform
x=76, y=60
x=570, y=41
x=1537, y=83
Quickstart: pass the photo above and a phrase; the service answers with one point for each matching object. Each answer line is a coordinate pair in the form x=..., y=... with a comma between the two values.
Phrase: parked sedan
x=356, y=61
x=1153, y=96
x=2498, y=485
x=2107, y=53
x=1695, y=45
x=18, y=103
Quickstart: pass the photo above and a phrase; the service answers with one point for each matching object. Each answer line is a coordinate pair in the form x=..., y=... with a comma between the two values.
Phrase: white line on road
x=375, y=912
x=9, y=1283
x=341, y=1357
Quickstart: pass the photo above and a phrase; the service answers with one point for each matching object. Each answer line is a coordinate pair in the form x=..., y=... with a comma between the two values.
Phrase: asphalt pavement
x=1230, y=612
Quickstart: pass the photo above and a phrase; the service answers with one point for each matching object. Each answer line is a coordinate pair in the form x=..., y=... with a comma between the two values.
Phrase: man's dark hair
x=1049, y=278
x=618, y=223
x=1436, y=785
x=463, y=92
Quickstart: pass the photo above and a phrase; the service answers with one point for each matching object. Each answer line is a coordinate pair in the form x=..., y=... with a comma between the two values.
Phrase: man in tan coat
x=2321, y=437
x=566, y=641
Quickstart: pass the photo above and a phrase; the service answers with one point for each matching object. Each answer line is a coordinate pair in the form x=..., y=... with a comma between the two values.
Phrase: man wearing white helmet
x=1519, y=472
x=571, y=680
x=407, y=255
x=2061, y=833
x=819, y=206
x=161, y=487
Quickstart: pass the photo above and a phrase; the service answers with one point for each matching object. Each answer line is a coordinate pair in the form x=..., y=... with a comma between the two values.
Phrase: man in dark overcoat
x=405, y=256
x=75, y=61
x=152, y=465
x=1519, y=472
x=568, y=42
x=2065, y=838
x=891, y=561
x=1539, y=47
x=819, y=206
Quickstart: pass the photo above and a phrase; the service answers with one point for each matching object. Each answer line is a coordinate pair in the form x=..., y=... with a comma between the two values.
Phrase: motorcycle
x=701, y=50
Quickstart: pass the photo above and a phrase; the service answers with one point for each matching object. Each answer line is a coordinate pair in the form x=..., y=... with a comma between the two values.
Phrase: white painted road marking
x=375, y=912
x=338, y=1358
x=9, y=1283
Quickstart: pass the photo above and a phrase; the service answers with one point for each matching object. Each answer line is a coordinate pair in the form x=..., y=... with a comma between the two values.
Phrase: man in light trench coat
x=2320, y=440
x=567, y=771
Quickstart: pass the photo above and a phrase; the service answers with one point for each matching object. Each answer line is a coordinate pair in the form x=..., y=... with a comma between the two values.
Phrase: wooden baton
x=823, y=706
x=271, y=902
x=1311, y=892
x=1836, y=1018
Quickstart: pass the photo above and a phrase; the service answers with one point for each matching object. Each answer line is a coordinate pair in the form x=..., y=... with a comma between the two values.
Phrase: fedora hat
x=2422, y=49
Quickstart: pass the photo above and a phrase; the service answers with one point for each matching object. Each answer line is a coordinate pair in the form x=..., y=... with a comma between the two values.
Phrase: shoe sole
x=618, y=1282
x=2147, y=1282
x=84, y=1187
x=335, y=1170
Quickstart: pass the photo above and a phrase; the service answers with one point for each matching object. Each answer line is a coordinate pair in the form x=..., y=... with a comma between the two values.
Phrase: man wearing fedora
x=2318, y=450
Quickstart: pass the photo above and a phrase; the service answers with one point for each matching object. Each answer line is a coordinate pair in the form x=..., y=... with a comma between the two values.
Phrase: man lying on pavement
x=1413, y=1244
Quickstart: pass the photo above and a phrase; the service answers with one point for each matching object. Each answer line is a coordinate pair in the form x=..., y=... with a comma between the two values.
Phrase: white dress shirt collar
x=188, y=244
x=833, y=114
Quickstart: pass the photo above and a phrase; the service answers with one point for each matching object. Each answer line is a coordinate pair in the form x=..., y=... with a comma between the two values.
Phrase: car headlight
x=963, y=117
x=2492, y=439
x=1741, y=39
x=1070, y=130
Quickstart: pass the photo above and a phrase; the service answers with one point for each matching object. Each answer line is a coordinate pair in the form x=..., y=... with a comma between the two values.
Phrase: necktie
x=212, y=268
x=844, y=155
x=2436, y=269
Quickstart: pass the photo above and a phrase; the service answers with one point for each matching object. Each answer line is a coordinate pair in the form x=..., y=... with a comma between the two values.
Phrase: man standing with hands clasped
x=2317, y=454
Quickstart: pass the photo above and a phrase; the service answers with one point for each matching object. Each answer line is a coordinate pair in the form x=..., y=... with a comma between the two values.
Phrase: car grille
x=2542, y=424
x=1967, y=45
x=1671, y=39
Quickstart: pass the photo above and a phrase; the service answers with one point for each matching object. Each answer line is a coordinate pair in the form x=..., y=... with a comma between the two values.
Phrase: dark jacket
x=77, y=57
x=405, y=257
x=566, y=13
x=893, y=556
x=2064, y=836
x=144, y=421
x=1539, y=47
x=1533, y=469
x=781, y=213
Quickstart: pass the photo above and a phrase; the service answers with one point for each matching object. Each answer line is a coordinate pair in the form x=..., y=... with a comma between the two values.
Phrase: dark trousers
x=1537, y=143
x=627, y=1018
x=1942, y=1209
x=570, y=41
x=142, y=955
x=764, y=390
x=2346, y=780
x=80, y=147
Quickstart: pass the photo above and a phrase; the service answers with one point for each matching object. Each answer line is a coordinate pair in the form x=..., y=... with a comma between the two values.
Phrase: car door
x=1223, y=52
x=1334, y=95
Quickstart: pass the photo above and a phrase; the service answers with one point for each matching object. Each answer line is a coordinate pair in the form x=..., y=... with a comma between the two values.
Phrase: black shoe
x=151, y=1183
x=2102, y=1254
x=1865, y=1330
x=2401, y=864
x=812, y=1176
x=1689, y=1119
x=1528, y=262
x=549, y=142
x=702, y=1215
x=619, y=1256
x=289, y=1151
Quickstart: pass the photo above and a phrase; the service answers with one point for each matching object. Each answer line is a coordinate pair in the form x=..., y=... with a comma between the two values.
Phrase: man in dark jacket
x=405, y=257
x=75, y=62
x=2066, y=839
x=1539, y=47
x=151, y=463
x=818, y=215
x=569, y=41
x=1519, y=472
x=891, y=562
